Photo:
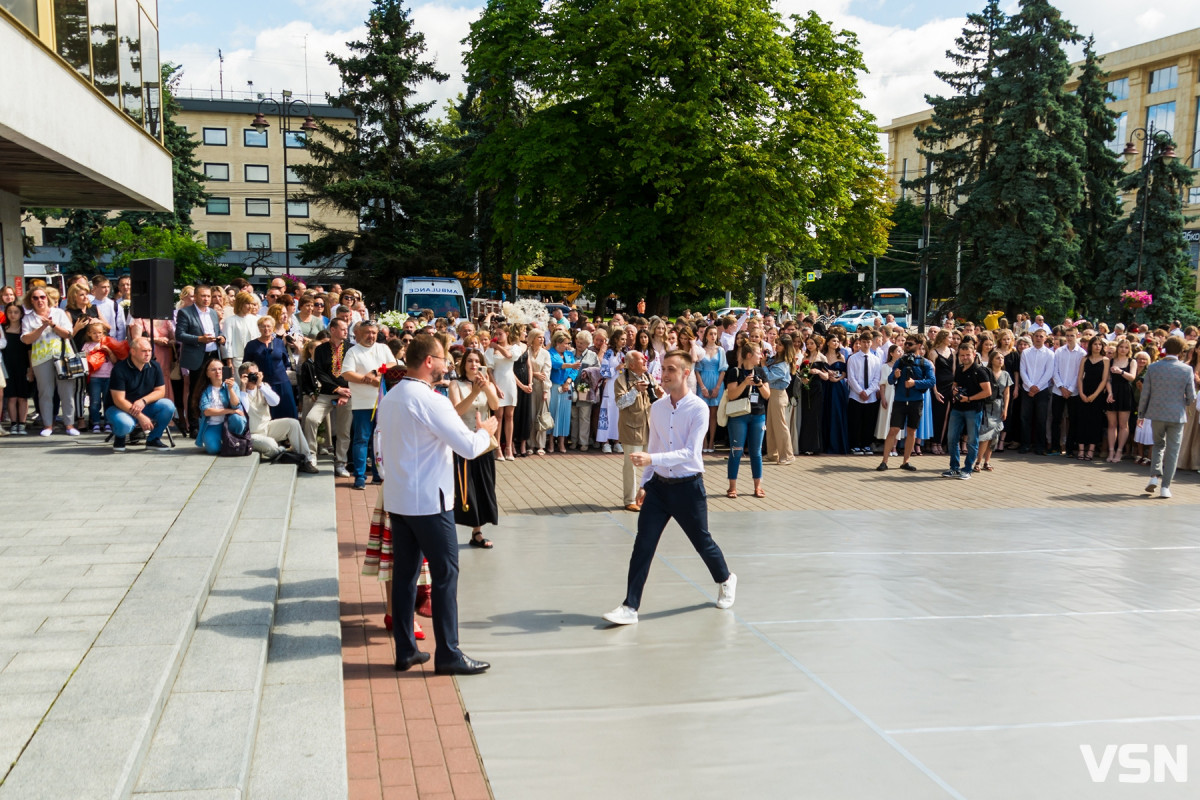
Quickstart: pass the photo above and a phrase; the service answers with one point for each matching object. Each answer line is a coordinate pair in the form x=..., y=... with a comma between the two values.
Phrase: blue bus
x=897, y=302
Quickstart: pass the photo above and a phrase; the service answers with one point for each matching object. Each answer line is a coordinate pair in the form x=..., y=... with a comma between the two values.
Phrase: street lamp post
x=284, y=111
x=1158, y=145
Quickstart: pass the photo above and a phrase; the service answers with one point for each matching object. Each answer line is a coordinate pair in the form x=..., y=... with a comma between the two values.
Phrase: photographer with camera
x=266, y=434
x=912, y=377
x=972, y=387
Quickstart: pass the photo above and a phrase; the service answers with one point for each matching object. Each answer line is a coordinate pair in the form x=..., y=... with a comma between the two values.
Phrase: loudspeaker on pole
x=152, y=288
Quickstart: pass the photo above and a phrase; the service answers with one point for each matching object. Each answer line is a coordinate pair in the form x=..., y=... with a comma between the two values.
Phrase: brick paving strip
x=406, y=732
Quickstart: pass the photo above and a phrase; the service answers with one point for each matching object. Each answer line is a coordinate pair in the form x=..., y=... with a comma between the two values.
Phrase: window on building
x=25, y=11
x=220, y=241
x=1162, y=117
x=151, y=79
x=1194, y=250
x=216, y=172
x=258, y=207
x=903, y=178
x=102, y=17
x=258, y=241
x=129, y=40
x=216, y=137
x=1163, y=79
x=1119, y=89
x=71, y=34
x=297, y=239
x=258, y=173
x=1118, y=141
x=1193, y=195
x=254, y=138
x=297, y=208
x=54, y=237
x=292, y=177
x=217, y=205
x=295, y=139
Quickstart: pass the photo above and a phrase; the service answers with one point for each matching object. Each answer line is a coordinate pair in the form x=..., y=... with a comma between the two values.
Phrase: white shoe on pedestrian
x=1152, y=485
x=727, y=591
x=1164, y=492
x=622, y=615
x=607, y=448
x=341, y=472
x=617, y=448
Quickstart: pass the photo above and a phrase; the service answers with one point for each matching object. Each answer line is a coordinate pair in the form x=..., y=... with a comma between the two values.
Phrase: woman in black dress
x=1122, y=373
x=810, y=384
x=523, y=413
x=1006, y=344
x=943, y=375
x=16, y=364
x=475, y=397
x=1093, y=385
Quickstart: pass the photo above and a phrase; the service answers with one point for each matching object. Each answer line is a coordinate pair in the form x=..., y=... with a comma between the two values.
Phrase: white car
x=859, y=317
x=737, y=311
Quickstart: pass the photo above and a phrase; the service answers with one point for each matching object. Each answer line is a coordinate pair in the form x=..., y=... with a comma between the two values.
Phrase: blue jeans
x=161, y=412
x=97, y=389
x=746, y=431
x=964, y=421
x=210, y=440
x=362, y=428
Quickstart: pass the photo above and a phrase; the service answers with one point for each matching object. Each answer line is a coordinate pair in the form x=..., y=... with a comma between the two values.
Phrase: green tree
x=1021, y=208
x=1102, y=169
x=1164, y=268
x=194, y=261
x=383, y=172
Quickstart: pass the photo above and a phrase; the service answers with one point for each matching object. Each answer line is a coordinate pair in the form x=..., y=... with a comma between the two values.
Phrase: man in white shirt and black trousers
x=864, y=373
x=418, y=430
x=673, y=487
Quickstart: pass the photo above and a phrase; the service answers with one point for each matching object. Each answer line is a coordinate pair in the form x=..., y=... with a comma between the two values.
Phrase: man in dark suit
x=198, y=330
x=1168, y=388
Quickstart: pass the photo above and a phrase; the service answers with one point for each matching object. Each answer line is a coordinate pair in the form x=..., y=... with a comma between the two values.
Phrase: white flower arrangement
x=125, y=304
x=393, y=319
x=526, y=311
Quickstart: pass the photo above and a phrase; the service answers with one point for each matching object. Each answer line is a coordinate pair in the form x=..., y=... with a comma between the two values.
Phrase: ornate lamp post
x=284, y=109
x=1158, y=145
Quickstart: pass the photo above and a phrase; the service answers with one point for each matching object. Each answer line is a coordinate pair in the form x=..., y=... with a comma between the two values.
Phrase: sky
x=281, y=44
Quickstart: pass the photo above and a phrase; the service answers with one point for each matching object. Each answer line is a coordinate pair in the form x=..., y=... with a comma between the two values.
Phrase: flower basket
x=1136, y=300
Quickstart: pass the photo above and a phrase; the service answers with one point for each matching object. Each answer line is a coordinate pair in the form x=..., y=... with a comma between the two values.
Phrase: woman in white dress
x=887, y=392
x=501, y=355
x=539, y=373
x=614, y=359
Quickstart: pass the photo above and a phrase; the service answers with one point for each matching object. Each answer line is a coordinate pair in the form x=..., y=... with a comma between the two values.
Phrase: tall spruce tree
x=1102, y=169
x=1165, y=270
x=1022, y=206
x=382, y=172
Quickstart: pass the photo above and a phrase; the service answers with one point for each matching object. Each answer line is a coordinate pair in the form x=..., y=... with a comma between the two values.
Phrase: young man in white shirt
x=363, y=369
x=107, y=310
x=1066, y=393
x=418, y=432
x=673, y=488
x=1037, y=372
x=864, y=373
x=257, y=399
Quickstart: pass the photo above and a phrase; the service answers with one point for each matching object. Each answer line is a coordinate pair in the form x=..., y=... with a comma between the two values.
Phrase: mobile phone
x=226, y=373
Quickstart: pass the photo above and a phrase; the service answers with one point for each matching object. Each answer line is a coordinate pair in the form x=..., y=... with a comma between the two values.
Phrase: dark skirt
x=481, y=507
x=812, y=404
x=836, y=432
x=523, y=412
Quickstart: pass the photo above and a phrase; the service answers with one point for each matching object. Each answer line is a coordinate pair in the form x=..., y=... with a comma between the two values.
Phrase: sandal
x=477, y=540
x=986, y=468
x=759, y=493
x=731, y=494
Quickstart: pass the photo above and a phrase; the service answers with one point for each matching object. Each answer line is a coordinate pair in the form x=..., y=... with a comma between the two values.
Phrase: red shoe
x=417, y=632
x=424, y=605
x=387, y=622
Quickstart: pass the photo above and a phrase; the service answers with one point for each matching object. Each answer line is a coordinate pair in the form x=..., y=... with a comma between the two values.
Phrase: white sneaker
x=1164, y=492
x=617, y=448
x=727, y=591
x=341, y=472
x=606, y=449
x=622, y=615
x=45, y=431
x=1152, y=485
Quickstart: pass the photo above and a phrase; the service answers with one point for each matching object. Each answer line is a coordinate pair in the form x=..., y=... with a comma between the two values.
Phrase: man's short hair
x=244, y=369
x=968, y=343
x=421, y=348
x=99, y=280
x=366, y=323
x=1174, y=345
x=866, y=336
x=682, y=355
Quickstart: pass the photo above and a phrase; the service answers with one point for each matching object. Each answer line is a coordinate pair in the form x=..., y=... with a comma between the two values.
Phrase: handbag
x=68, y=367
x=234, y=445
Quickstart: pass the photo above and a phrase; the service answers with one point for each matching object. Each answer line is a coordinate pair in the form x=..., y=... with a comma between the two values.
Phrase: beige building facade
x=1155, y=84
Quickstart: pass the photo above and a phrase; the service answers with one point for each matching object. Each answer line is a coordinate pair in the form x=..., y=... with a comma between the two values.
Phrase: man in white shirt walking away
x=418, y=432
x=673, y=487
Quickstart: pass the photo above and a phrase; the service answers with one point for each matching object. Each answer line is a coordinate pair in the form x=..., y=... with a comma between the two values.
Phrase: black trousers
x=860, y=420
x=434, y=536
x=1033, y=420
x=1063, y=405
x=687, y=504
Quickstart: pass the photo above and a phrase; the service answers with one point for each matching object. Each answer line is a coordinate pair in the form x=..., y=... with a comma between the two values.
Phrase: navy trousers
x=434, y=536
x=687, y=504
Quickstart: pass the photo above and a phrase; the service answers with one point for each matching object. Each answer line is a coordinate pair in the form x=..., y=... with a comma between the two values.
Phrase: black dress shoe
x=463, y=666
x=405, y=664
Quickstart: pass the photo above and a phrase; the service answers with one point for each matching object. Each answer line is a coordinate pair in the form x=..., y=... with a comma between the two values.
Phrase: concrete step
x=300, y=750
x=95, y=737
x=204, y=740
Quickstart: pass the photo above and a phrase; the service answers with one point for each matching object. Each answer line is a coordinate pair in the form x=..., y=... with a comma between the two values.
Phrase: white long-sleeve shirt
x=854, y=377
x=676, y=437
x=1066, y=368
x=1037, y=368
x=729, y=339
x=419, y=431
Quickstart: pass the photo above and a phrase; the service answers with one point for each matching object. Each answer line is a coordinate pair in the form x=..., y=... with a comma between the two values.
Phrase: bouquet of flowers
x=526, y=311
x=1136, y=300
x=393, y=319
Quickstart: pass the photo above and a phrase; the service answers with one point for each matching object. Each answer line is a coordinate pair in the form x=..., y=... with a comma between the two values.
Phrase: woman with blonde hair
x=502, y=354
x=241, y=327
x=539, y=368
x=1122, y=373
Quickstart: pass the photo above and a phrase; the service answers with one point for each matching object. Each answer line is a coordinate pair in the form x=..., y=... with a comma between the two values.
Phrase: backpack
x=306, y=379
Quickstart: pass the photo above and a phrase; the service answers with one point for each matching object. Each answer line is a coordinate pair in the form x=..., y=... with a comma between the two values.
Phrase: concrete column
x=12, y=256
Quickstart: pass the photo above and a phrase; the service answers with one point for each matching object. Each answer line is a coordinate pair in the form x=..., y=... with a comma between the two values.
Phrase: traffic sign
x=812, y=276
x=795, y=284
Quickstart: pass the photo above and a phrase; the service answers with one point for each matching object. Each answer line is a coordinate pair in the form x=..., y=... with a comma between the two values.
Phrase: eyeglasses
x=39, y=297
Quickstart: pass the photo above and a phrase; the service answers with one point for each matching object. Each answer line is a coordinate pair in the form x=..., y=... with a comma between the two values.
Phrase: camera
x=252, y=377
